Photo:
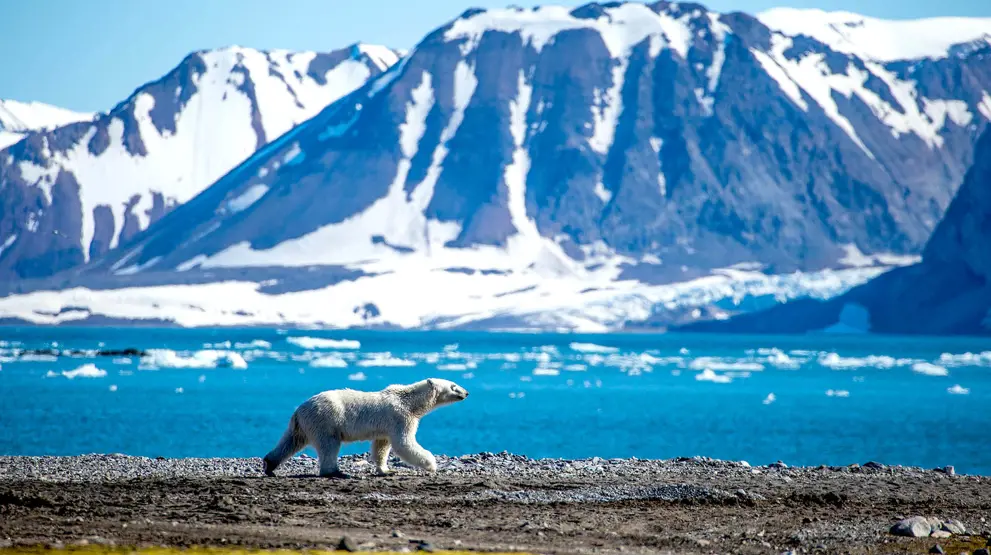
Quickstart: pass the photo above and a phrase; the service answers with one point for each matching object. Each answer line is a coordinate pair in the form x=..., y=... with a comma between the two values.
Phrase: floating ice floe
x=779, y=359
x=329, y=361
x=837, y=362
x=837, y=393
x=85, y=371
x=592, y=348
x=255, y=344
x=929, y=369
x=957, y=390
x=385, y=360
x=716, y=363
x=357, y=377
x=452, y=367
x=708, y=375
x=769, y=399
x=167, y=358
x=965, y=359
x=322, y=343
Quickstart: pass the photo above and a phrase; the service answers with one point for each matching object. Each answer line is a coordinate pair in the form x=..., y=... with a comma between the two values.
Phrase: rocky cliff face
x=71, y=193
x=948, y=292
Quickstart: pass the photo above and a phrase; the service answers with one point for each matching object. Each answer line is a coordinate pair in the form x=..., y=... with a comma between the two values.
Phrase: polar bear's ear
x=432, y=383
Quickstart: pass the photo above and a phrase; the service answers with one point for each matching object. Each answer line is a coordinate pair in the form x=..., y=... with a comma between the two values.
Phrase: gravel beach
x=491, y=502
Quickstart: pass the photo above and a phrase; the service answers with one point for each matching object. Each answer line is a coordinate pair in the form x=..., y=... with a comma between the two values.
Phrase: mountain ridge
x=17, y=119
x=79, y=190
x=686, y=169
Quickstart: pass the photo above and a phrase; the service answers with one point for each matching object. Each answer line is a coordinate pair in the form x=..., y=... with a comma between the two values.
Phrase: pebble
x=941, y=534
x=954, y=527
x=912, y=527
x=346, y=544
x=937, y=549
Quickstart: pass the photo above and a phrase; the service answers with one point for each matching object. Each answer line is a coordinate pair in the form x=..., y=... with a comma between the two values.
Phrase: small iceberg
x=592, y=348
x=321, y=343
x=85, y=371
x=708, y=375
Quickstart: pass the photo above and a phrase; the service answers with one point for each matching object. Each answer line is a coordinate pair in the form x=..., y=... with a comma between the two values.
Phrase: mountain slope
x=582, y=168
x=18, y=118
x=948, y=292
x=703, y=139
x=75, y=192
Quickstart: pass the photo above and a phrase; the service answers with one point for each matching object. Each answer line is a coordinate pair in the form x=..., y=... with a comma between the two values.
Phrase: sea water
x=805, y=400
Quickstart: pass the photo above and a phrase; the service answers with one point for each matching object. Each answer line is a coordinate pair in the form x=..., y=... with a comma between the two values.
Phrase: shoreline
x=207, y=467
x=488, y=502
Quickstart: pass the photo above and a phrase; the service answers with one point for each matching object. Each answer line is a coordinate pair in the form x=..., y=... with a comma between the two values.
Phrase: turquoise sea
x=806, y=400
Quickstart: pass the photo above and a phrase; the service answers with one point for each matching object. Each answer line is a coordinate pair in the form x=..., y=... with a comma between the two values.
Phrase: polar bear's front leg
x=380, y=456
x=410, y=451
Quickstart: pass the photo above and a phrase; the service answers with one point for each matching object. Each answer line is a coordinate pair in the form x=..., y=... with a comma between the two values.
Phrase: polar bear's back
x=350, y=415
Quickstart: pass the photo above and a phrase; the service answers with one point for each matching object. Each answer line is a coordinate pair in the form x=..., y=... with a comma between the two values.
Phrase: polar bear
x=389, y=418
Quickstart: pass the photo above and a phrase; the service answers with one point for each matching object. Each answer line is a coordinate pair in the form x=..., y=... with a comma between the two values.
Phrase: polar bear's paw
x=268, y=468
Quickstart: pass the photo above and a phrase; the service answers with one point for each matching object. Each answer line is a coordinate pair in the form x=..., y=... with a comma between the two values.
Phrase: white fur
x=388, y=418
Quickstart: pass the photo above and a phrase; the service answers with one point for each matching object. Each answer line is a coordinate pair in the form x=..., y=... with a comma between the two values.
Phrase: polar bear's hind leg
x=380, y=456
x=328, y=449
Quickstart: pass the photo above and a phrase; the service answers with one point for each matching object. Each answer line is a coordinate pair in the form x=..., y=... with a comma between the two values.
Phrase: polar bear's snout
x=448, y=391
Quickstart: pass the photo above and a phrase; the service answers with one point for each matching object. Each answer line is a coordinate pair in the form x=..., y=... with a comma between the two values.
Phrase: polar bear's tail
x=293, y=440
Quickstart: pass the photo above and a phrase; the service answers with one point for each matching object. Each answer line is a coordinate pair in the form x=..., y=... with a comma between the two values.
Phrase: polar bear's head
x=426, y=395
x=447, y=391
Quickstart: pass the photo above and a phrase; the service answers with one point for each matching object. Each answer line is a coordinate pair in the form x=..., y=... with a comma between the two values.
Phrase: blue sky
x=90, y=54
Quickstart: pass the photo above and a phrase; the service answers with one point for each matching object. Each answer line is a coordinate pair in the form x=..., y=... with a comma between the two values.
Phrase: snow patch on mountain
x=19, y=118
x=811, y=74
x=621, y=26
x=35, y=116
x=382, y=56
x=879, y=39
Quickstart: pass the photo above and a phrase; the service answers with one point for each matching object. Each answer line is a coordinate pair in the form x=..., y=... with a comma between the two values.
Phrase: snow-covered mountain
x=609, y=166
x=76, y=191
x=19, y=118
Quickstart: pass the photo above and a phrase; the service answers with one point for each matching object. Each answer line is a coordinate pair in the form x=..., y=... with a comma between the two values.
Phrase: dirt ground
x=671, y=507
